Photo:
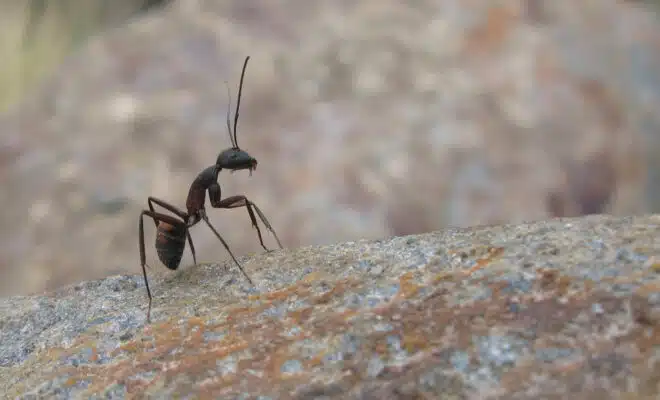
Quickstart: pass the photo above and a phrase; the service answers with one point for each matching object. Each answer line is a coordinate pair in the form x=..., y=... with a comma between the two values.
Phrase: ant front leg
x=157, y=217
x=174, y=210
x=242, y=201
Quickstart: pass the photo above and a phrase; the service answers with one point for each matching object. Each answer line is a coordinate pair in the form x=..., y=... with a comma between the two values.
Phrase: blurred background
x=369, y=119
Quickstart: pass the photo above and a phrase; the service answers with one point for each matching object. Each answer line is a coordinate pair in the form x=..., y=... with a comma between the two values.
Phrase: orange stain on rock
x=492, y=254
x=326, y=297
x=407, y=287
x=301, y=315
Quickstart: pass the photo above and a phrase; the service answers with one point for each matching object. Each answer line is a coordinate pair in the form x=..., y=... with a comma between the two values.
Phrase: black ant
x=173, y=230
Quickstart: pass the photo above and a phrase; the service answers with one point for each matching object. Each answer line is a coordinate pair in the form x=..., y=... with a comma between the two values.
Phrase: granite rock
x=536, y=310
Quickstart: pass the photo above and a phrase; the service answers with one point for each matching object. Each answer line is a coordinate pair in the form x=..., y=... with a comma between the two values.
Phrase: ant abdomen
x=170, y=243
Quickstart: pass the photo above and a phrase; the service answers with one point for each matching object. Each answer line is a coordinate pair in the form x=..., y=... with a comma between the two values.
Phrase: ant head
x=234, y=158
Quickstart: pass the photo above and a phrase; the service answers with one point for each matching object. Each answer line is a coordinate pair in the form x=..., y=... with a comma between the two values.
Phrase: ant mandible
x=173, y=230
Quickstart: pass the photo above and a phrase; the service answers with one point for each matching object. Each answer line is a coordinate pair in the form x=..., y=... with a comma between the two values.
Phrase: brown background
x=369, y=119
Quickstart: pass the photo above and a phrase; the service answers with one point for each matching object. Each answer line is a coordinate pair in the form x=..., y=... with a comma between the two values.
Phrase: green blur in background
x=36, y=35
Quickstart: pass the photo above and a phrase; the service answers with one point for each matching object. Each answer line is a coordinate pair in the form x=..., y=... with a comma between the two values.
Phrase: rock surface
x=537, y=310
x=369, y=119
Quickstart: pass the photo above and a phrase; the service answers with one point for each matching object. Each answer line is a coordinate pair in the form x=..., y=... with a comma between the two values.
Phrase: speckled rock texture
x=565, y=307
x=369, y=119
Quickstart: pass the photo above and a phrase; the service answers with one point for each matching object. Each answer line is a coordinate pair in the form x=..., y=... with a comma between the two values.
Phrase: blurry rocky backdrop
x=369, y=119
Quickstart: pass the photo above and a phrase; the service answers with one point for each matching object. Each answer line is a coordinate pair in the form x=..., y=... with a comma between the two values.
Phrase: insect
x=172, y=231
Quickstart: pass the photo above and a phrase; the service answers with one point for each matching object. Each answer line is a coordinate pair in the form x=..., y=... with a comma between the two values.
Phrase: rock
x=537, y=310
x=369, y=119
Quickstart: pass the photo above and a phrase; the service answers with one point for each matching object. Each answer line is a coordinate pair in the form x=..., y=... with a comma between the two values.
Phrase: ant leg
x=192, y=247
x=242, y=201
x=143, y=260
x=206, y=219
x=264, y=221
x=169, y=207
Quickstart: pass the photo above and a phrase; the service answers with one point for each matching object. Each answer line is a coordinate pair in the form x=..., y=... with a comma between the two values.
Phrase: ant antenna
x=233, y=143
x=238, y=102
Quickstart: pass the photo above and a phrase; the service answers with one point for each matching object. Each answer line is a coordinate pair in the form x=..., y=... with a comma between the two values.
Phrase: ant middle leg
x=192, y=247
x=206, y=219
x=242, y=201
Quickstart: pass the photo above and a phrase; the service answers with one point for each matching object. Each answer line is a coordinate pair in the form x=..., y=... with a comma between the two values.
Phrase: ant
x=173, y=230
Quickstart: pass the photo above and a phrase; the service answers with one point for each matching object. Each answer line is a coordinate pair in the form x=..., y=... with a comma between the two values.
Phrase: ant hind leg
x=157, y=217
